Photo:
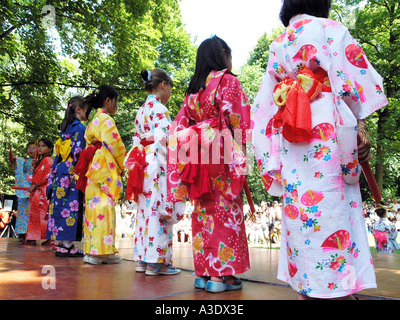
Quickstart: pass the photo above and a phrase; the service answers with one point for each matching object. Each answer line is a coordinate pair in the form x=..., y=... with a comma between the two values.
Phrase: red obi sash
x=81, y=168
x=293, y=99
x=136, y=163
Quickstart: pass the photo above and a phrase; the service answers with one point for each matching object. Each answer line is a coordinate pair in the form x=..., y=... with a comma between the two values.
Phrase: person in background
x=385, y=233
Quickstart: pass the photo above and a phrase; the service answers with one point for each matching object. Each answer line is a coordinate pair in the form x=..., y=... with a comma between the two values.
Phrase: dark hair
x=316, y=8
x=73, y=103
x=212, y=55
x=153, y=78
x=49, y=144
x=380, y=212
x=29, y=144
x=97, y=98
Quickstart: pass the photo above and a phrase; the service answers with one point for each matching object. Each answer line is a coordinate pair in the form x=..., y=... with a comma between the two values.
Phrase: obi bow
x=293, y=97
x=136, y=163
x=63, y=148
x=381, y=238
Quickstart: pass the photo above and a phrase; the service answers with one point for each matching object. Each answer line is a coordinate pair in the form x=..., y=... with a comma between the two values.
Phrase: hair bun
x=146, y=76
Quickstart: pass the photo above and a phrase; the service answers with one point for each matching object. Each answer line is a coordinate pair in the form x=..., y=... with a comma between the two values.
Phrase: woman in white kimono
x=318, y=89
x=147, y=182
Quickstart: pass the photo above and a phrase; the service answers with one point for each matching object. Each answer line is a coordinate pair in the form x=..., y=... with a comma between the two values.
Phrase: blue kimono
x=23, y=176
x=66, y=205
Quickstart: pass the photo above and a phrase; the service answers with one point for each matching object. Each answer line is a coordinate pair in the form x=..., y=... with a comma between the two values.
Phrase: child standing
x=66, y=206
x=309, y=112
x=147, y=180
x=215, y=106
x=23, y=176
x=102, y=162
x=385, y=233
x=38, y=203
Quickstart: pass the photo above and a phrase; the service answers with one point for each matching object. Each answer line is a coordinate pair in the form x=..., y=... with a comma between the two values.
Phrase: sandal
x=48, y=243
x=157, y=270
x=28, y=243
x=200, y=283
x=216, y=287
x=77, y=254
x=142, y=267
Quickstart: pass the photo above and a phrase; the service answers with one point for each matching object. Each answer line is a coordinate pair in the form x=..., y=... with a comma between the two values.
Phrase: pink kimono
x=206, y=164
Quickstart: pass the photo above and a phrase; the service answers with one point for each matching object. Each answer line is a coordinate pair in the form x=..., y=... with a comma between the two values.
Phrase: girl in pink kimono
x=309, y=112
x=211, y=129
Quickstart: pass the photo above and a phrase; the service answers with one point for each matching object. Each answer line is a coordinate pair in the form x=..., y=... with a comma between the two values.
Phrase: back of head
x=153, y=78
x=97, y=98
x=212, y=55
x=316, y=8
x=73, y=103
x=381, y=212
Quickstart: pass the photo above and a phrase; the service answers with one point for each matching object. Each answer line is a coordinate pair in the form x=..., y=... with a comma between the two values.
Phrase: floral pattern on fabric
x=104, y=184
x=322, y=226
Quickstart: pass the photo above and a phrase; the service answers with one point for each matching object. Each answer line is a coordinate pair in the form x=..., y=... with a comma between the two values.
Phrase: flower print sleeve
x=110, y=138
x=353, y=79
x=160, y=129
x=78, y=142
x=235, y=105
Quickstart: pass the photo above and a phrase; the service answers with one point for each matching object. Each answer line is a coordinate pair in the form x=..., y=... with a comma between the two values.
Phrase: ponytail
x=97, y=98
x=73, y=103
x=153, y=78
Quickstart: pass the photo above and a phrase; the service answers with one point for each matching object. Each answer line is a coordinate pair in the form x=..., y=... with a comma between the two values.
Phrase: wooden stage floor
x=26, y=274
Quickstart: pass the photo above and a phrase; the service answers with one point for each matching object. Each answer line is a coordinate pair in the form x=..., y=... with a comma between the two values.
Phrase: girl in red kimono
x=38, y=203
x=206, y=165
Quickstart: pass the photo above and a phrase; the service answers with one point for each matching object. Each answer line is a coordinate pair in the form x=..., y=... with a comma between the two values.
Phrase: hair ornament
x=148, y=76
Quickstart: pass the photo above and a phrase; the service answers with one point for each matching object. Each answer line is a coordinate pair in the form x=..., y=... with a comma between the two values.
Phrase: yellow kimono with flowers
x=104, y=185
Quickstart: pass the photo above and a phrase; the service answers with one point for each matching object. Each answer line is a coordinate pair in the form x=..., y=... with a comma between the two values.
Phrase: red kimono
x=38, y=203
x=206, y=165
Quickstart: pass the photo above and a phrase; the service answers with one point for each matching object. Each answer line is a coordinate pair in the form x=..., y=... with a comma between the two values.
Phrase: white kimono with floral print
x=324, y=247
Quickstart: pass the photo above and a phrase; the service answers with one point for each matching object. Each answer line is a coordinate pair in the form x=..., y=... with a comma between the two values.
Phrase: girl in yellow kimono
x=104, y=183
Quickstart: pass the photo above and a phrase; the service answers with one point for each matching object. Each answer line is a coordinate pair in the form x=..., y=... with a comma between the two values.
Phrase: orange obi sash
x=293, y=99
x=136, y=163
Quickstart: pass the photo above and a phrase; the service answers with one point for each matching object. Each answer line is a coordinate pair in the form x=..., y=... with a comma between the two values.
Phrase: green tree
x=376, y=26
x=90, y=43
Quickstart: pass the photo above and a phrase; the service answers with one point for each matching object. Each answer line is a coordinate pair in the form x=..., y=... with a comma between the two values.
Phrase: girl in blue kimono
x=23, y=175
x=66, y=206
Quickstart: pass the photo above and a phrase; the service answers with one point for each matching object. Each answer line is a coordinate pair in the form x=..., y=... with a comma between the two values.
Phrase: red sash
x=136, y=163
x=81, y=168
x=293, y=99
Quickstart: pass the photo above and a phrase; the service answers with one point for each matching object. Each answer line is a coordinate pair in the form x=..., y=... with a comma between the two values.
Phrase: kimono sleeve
x=42, y=172
x=235, y=105
x=78, y=142
x=266, y=138
x=176, y=190
x=110, y=137
x=160, y=129
x=354, y=80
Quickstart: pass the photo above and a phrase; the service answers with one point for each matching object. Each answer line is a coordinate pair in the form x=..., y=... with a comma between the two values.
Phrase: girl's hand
x=364, y=145
x=32, y=188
